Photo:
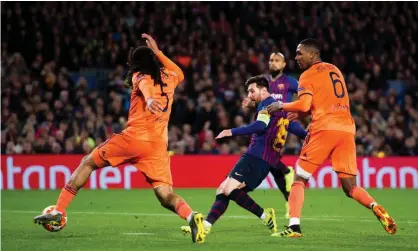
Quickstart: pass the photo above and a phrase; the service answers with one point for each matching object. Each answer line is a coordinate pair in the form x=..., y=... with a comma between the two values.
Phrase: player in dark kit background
x=282, y=88
x=253, y=167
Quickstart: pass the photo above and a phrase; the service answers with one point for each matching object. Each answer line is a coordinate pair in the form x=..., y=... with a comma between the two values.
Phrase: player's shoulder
x=322, y=67
x=293, y=82
x=291, y=79
x=318, y=70
x=263, y=104
x=137, y=77
x=169, y=77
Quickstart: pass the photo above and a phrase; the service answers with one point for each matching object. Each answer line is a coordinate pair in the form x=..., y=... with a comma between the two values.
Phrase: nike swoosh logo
x=237, y=174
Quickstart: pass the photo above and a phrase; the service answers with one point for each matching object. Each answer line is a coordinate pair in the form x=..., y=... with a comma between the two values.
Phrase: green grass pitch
x=134, y=220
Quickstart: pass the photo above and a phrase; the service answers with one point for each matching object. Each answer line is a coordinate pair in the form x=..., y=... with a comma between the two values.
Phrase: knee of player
x=219, y=191
x=228, y=190
x=88, y=161
x=85, y=158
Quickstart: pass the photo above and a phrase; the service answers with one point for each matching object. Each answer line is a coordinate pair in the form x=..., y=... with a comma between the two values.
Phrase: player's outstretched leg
x=234, y=190
x=296, y=199
x=70, y=190
x=178, y=205
x=350, y=188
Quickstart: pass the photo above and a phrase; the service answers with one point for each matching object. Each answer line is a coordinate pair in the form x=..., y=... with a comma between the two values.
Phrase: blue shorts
x=251, y=170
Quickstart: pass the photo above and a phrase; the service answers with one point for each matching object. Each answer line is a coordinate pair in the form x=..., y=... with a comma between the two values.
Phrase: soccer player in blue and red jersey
x=252, y=168
x=282, y=88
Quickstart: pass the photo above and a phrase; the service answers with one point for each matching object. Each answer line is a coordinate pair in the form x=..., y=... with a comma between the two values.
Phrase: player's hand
x=224, y=133
x=292, y=116
x=246, y=102
x=275, y=107
x=297, y=115
x=151, y=43
x=153, y=106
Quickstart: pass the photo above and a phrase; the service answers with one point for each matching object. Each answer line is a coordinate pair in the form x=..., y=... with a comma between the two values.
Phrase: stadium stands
x=63, y=68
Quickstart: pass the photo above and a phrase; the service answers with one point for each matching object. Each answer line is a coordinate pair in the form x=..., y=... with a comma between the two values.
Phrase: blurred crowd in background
x=64, y=63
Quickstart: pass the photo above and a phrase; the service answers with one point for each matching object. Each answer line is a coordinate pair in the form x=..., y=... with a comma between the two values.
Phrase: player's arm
x=263, y=120
x=296, y=129
x=305, y=91
x=259, y=125
x=170, y=65
x=146, y=88
x=303, y=104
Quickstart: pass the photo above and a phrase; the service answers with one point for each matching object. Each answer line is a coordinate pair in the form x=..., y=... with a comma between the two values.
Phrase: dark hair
x=260, y=80
x=313, y=43
x=278, y=53
x=144, y=61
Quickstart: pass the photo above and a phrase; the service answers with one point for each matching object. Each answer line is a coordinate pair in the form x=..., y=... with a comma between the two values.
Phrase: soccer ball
x=54, y=228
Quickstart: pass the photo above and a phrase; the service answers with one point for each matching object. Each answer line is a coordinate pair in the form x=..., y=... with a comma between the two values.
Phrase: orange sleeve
x=305, y=86
x=303, y=104
x=170, y=65
x=145, y=86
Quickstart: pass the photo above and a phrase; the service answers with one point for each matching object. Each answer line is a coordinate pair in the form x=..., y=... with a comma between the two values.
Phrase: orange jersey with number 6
x=142, y=124
x=330, y=107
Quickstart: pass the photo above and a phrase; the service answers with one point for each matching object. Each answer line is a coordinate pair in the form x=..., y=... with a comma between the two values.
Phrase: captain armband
x=264, y=117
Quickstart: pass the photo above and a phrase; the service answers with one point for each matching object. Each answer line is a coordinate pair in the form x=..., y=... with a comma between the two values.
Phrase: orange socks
x=362, y=196
x=183, y=210
x=66, y=196
x=296, y=198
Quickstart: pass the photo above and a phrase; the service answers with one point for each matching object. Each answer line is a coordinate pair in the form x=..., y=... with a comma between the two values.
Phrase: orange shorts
x=339, y=146
x=150, y=158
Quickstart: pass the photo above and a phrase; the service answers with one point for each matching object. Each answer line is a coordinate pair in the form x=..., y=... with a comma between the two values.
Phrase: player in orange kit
x=144, y=142
x=322, y=91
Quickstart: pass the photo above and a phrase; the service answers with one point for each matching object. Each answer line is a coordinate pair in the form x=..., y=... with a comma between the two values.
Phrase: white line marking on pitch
x=316, y=218
x=139, y=233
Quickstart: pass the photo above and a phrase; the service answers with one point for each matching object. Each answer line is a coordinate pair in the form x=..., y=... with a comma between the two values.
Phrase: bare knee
x=231, y=186
x=227, y=192
x=88, y=162
x=300, y=179
x=220, y=189
x=83, y=171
